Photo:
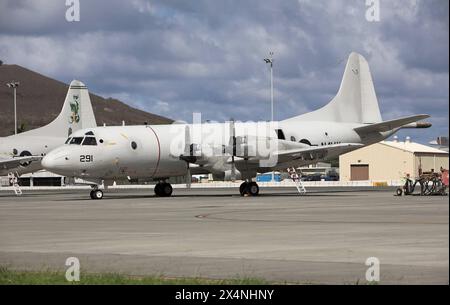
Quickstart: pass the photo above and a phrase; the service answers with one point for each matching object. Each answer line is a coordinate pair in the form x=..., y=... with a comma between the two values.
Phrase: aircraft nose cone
x=48, y=162
x=54, y=162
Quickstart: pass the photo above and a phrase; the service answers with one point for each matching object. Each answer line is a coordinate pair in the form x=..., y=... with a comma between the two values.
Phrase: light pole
x=14, y=85
x=269, y=60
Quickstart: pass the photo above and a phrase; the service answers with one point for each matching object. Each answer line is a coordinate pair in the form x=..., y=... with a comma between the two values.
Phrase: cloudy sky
x=177, y=57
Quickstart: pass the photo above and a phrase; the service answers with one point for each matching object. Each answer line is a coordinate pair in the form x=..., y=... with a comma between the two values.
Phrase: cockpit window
x=68, y=140
x=89, y=141
x=76, y=140
x=89, y=133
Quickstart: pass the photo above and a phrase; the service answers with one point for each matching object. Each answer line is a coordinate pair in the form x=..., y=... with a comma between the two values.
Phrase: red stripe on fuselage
x=159, y=150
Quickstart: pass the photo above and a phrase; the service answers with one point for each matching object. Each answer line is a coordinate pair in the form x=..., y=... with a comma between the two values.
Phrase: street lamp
x=269, y=60
x=14, y=85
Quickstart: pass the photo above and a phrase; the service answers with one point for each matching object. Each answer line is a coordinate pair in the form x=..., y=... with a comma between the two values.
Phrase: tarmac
x=323, y=237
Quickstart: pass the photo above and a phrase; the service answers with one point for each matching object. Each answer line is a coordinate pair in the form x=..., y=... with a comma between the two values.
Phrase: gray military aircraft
x=231, y=150
x=22, y=153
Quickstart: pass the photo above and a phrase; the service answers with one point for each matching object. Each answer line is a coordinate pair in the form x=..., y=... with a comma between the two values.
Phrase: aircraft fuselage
x=152, y=151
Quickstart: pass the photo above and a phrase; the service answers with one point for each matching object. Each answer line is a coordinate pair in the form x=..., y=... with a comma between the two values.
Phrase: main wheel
x=249, y=188
x=158, y=189
x=166, y=189
x=243, y=188
x=253, y=189
x=163, y=189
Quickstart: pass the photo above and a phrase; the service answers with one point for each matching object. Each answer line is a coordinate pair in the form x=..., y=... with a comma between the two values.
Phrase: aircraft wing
x=314, y=152
x=14, y=162
x=390, y=125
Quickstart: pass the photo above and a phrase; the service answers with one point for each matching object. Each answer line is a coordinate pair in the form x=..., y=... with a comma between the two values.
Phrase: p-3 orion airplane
x=231, y=150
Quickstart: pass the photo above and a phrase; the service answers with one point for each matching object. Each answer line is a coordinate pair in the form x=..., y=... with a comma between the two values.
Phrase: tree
x=22, y=128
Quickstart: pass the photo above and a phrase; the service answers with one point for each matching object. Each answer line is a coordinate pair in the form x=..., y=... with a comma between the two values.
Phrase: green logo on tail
x=75, y=108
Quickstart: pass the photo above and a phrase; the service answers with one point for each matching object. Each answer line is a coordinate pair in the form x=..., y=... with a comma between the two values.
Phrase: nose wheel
x=163, y=189
x=96, y=194
x=249, y=189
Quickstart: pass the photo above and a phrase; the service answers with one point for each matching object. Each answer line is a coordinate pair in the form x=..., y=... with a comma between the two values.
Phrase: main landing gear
x=249, y=188
x=96, y=194
x=163, y=189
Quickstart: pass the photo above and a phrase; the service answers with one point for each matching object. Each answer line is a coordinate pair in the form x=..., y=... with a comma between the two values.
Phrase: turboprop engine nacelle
x=228, y=175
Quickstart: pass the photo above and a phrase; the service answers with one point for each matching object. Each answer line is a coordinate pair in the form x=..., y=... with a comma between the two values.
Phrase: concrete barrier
x=225, y=184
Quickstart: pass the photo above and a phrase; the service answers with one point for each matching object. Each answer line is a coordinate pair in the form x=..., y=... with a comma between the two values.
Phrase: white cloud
x=176, y=57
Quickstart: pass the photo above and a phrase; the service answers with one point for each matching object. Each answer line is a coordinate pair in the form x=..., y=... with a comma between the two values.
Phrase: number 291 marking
x=86, y=158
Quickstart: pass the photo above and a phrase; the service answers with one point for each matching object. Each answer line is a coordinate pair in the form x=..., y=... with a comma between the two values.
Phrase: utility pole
x=14, y=85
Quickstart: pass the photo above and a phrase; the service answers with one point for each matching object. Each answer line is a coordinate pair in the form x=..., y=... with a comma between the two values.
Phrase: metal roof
x=413, y=147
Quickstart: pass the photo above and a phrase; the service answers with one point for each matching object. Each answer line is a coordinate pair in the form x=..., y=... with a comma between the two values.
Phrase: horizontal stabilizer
x=14, y=162
x=390, y=125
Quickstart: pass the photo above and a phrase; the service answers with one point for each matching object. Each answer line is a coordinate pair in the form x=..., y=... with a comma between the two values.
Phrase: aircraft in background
x=230, y=150
x=22, y=153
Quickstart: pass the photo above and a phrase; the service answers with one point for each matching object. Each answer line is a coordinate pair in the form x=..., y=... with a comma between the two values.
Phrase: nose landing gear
x=249, y=188
x=96, y=194
x=163, y=189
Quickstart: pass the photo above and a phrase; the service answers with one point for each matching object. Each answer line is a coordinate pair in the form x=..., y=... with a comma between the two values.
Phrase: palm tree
x=22, y=128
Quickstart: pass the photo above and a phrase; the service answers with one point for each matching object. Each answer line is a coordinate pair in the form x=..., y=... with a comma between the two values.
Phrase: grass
x=14, y=277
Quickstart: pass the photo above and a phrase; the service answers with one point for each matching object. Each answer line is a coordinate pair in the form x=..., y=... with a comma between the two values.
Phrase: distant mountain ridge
x=40, y=99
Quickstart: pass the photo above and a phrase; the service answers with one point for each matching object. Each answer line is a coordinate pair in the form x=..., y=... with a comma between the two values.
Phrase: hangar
x=391, y=160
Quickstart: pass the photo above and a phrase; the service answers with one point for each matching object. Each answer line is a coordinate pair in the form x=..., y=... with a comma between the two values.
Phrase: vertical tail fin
x=355, y=101
x=77, y=113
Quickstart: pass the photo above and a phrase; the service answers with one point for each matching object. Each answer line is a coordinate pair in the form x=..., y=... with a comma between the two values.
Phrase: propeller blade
x=233, y=170
x=187, y=141
x=233, y=151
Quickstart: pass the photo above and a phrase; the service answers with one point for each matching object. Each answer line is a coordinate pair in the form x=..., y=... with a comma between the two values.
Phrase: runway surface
x=323, y=237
